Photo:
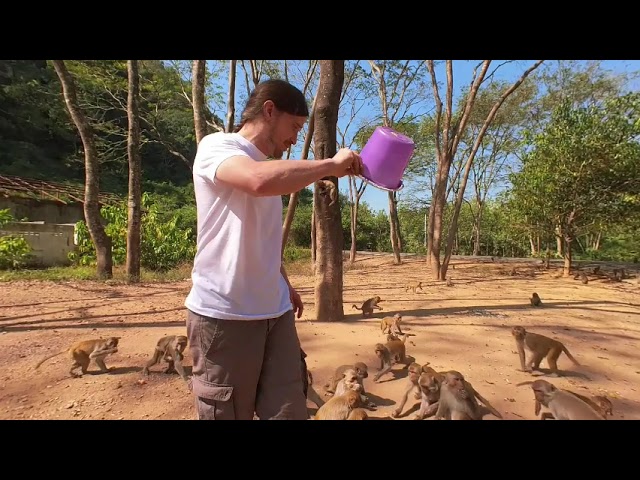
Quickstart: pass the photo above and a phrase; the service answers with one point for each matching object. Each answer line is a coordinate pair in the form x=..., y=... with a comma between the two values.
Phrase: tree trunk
x=437, y=213
x=231, y=104
x=198, y=74
x=100, y=239
x=328, y=224
x=596, y=245
x=476, y=230
x=354, y=218
x=532, y=245
x=566, y=270
x=135, y=174
x=393, y=230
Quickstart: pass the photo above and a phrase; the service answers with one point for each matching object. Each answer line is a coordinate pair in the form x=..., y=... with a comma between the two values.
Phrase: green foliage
x=15, y=252
x=164, y=244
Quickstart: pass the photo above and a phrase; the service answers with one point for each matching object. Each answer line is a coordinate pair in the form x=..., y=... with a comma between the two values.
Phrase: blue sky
x=462, y=72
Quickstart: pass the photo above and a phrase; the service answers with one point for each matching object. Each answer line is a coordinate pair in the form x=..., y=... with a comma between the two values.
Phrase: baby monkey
x=171, y=350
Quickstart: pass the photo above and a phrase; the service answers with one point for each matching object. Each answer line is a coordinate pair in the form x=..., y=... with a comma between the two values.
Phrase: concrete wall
x=50, y=242
x=48, y=211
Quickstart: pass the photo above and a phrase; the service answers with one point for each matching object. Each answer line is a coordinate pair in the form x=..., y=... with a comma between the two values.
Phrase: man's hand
x=296, y=301
x=348, y=162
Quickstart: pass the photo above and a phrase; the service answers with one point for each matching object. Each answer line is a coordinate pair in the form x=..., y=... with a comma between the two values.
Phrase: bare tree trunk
x=394, y=230
x=231, y=105
x=566, y=270
x=328, y=223
x=135, y=174
x=100, y=239
x=293, y=198
x=533, y=246
x=477, y=221
x=596, y=245
x=313, y=231
x=559, y=242
x=197, y=92
x=355, y=194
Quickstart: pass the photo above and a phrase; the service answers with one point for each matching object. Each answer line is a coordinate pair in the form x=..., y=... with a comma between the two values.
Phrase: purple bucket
x=385, y=158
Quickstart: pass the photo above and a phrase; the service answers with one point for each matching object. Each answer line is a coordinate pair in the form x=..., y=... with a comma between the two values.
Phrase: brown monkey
x=414, y=287
x=540, y=346
x=171, y=350
x=415, y=369
x=351, y=381
x=327, y=187
x=430, y=383
x=584, y=278
x=307, y=381
x=361, y=370
x=596, y=270
x=394, y=351
x=358, y=414
x=535, y=300
x=369, y=305
x=599, y=403
x=339, y=407
x=391, y=324
x=84, y=351
x=449, y=282
x=562, y=404
x=459, y=400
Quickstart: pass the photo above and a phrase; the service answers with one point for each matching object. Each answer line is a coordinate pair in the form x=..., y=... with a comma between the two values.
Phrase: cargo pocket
x=214, y=401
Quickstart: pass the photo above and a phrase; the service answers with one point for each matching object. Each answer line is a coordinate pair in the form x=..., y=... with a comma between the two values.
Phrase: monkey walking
x=562, y=404
x=394, y=351
x=369, y=305
x=391, y=324
x=540, y=346
x=84, y=351
x=600, y=403
x=171, y=350
x=414, y=287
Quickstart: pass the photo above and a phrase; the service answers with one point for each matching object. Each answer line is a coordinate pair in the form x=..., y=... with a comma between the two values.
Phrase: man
x=240, y=321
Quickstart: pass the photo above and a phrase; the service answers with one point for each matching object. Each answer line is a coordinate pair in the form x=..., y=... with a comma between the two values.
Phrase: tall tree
x=327, y=220
x=198, y=93
x=100, y=239
x=135, y=174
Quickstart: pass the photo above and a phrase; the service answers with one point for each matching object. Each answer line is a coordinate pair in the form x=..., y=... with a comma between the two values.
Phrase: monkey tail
x=356, y=307
x=566, y=351
x=528, y=382
x=47, y=358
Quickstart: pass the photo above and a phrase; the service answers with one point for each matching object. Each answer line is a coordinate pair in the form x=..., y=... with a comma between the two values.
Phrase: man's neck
x=258, y=137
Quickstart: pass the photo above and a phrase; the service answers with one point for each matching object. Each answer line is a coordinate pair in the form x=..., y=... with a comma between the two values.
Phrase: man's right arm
x=273, y=177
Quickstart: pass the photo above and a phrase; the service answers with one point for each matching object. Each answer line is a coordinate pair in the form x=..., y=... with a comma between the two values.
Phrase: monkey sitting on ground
x=414, y=287
x=394, y=351
x=351, y=381
x=459, y=400
x=84, y=351
x=535, y=300
x=362, y=372
x=415, y=369
x=339, y=407
x=169, y=349
x=540, y=346
x=391, y=324
x=369, y=305
x=430, y=384
x=562, y=404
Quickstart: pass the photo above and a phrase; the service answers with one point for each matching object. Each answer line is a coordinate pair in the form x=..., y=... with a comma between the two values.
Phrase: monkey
x=369, y=305
x=514, y=272
x=171, y=350
x=415, y=369
x=596, y=270
x=599, y=403
x=430, y=383
x=562, y=404
x=540, y=346
x=449, y=282
x=584, y=278
x=351, y=381
x=327, y=187
x=307, y=382
x=459, y=400
x=358, y=414
x=84, y=351
x=535, y=300
x=362, y=372
x=339, y=407
x=414, y=287
x=394, y=351
x=391, y=323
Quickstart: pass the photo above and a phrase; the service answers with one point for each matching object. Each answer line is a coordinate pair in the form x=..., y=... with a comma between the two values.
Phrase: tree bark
x=197, y=92
x=135, y=174
x=231, y=103
x=100, y=239
x=328, y=225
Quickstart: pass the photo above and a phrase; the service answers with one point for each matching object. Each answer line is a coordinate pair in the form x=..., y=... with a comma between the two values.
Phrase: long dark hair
x=284, y=96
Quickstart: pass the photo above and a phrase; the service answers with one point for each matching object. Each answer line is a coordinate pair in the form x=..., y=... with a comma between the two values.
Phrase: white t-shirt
x=236, y=271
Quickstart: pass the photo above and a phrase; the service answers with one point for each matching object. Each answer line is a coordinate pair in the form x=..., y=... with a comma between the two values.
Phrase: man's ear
x=268, y=109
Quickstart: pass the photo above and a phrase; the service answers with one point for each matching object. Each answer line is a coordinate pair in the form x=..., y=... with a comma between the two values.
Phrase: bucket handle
x=380, y=186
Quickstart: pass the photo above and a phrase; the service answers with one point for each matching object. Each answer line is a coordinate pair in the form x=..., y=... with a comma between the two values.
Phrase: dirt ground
x=465, y=327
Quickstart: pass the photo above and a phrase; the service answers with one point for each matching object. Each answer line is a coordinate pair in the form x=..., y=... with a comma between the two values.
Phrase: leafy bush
x=15, y=252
